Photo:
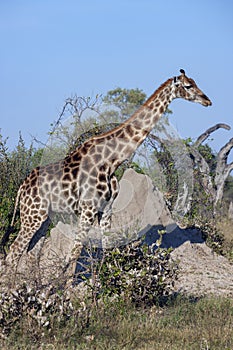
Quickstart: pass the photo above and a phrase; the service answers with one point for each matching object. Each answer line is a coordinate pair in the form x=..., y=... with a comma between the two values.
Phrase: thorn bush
x=40, y=307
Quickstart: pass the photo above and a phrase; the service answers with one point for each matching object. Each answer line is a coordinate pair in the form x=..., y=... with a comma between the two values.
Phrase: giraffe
x=84, y=183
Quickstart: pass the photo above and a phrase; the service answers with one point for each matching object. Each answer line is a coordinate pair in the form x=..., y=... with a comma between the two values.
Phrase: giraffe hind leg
x=22, y=243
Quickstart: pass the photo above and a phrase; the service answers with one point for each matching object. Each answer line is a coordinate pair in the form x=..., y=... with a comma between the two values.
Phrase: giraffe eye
x=188, y=87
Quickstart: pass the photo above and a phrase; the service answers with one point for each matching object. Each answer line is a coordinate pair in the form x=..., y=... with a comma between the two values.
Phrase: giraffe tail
x=16, y=205
x=10, y=228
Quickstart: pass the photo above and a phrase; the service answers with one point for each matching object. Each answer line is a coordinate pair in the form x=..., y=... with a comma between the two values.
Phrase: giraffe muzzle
x=206, y=102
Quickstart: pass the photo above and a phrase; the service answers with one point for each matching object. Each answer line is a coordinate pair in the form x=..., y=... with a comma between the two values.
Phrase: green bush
x=14, y=167
x=136, y=273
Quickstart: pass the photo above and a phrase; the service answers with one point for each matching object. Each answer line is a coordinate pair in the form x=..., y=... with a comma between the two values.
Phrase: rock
x=139, y=204
x=60, y=243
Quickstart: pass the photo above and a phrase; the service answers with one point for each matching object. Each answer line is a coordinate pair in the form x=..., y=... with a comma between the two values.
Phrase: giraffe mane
x=162, y=86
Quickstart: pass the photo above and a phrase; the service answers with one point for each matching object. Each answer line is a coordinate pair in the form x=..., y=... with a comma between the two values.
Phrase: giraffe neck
x=117, y=145
x=151, y=111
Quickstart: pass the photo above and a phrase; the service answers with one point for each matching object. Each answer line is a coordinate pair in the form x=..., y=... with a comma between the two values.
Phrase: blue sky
x=52, y=49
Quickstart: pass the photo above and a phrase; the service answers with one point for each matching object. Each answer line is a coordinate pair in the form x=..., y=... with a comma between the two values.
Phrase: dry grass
x=184, y=324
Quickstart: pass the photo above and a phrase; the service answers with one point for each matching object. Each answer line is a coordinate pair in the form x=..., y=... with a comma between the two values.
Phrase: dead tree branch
x=206, y=134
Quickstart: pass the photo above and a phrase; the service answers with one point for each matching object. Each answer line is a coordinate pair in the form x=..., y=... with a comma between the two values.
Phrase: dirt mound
x=202, y=272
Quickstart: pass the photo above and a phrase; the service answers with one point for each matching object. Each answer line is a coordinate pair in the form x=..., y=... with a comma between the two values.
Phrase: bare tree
x=214, y=186
x=211, y=180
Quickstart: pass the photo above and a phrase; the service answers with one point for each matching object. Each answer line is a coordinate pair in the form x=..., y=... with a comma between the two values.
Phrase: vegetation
x=126, y=100
x=14, y=167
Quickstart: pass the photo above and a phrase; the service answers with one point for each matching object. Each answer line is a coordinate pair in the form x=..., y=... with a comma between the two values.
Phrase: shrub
x=136, y=273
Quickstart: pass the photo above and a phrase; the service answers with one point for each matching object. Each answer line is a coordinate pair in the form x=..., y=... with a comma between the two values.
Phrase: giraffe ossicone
x=84, y=184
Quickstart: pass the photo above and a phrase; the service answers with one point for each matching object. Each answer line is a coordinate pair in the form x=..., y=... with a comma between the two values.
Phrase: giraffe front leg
x=86, y=220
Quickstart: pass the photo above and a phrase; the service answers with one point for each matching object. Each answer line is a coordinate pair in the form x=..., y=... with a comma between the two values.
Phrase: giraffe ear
x=182, y=71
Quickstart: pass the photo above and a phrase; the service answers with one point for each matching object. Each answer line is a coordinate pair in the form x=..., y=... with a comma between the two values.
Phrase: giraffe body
x=84, y=183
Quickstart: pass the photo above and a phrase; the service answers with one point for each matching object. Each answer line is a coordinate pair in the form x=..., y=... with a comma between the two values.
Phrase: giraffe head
x=187, y=88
